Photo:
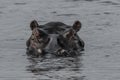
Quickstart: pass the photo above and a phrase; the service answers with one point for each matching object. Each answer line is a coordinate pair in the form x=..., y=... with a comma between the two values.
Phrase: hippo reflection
x=54, y=37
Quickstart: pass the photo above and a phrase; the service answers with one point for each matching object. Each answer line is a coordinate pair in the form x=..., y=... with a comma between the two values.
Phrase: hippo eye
x=32, y=39
x=38, y=37
x=40, y=40
x=62, y=41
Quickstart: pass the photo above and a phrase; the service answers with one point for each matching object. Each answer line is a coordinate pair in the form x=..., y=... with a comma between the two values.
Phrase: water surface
x=100, y=31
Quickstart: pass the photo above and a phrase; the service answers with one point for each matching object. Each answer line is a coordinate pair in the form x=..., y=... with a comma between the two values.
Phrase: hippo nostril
x=39, y=50
x=62, y=52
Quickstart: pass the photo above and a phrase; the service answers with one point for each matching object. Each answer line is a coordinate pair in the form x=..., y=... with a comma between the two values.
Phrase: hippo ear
x=33, y=24
x=69, y=34
x=77, y=26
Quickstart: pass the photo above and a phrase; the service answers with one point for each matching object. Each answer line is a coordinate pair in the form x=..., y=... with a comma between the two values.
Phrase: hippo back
x=55, y=27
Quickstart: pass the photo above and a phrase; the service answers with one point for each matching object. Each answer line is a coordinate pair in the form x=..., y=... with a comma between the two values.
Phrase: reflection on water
x=53, y=67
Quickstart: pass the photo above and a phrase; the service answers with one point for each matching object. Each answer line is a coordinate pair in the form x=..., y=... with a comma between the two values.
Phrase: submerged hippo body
x=54, y=37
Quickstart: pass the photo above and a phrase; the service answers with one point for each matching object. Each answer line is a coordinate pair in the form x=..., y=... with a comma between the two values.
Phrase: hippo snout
x=63, y=52
x=34, y=52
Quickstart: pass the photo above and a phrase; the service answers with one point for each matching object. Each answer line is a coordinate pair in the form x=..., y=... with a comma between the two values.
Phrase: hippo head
x=38, y=40
x=62, y=44
x=69, y=41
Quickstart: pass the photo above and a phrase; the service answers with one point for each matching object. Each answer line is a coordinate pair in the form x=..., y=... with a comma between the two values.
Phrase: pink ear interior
x=36, y=32
x=70, y=34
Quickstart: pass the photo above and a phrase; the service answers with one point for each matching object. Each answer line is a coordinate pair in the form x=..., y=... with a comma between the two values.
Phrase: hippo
x=56, y=38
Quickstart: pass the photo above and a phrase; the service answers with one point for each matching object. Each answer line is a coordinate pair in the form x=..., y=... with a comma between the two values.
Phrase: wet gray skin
x=54, y=37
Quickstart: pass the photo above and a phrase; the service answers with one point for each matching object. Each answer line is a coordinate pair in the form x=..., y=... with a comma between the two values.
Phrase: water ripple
x=22, y=3
x=67, y=15
x=110, y=3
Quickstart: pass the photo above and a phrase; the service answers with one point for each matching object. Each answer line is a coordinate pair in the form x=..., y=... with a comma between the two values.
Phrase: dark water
x=100, y=31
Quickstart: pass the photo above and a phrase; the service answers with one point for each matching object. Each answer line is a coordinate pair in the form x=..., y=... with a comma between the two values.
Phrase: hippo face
x=62, y=41
x=70, y=43
x=37, y=41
